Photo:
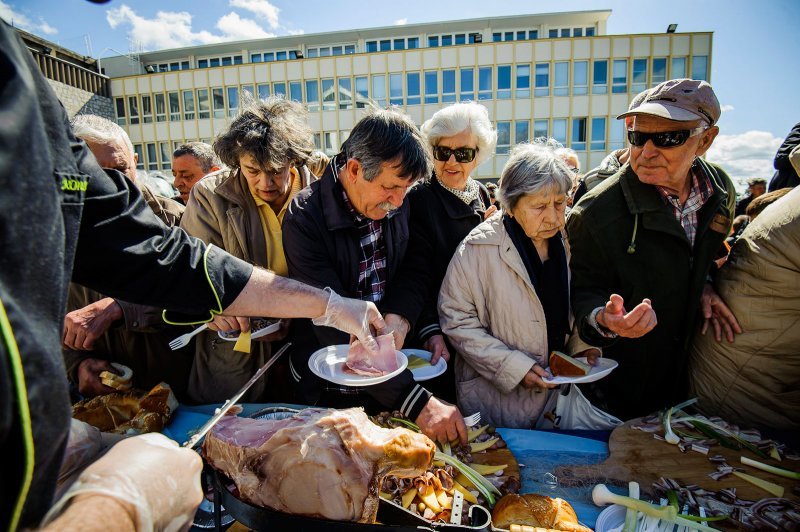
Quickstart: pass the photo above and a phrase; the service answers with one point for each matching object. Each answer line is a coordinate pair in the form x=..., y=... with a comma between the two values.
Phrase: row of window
x=167, y=67
x=328, y=51
x=386, y=45
x=560, y=78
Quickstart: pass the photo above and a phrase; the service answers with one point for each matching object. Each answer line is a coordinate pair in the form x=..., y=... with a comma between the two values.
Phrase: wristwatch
x=603, y=331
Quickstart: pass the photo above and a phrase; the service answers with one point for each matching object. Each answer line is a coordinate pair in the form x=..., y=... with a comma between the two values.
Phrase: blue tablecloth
x=537, y=452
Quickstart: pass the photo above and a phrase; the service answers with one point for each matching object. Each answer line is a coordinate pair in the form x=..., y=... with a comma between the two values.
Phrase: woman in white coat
x=504, y=302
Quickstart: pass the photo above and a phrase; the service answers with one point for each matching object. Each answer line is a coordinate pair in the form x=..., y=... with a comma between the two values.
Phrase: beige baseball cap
x=683, y=100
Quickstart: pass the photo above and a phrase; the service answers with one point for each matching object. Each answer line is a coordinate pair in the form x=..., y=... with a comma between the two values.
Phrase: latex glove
x=442, y=422
x=438, y=348
x=151, y=476
x=398, y=326
x=89, y=382
x=85, y=325
x=352, y=316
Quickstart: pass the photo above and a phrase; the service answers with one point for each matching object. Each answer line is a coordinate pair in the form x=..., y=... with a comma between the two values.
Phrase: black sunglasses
x=463, y=155
x=664, y=139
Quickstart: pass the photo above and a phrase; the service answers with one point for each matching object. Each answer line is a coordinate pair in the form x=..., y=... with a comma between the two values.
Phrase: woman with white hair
x=444, y=209
x=504, y=302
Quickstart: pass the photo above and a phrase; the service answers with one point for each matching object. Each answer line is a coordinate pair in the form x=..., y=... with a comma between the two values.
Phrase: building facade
x=555, y=75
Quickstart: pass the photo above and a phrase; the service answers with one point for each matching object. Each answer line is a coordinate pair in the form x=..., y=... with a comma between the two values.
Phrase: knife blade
x=221, y=411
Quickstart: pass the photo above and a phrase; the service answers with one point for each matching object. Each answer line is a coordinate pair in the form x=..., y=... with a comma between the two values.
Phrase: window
x=174, y=66
x=700, y=67
x=521, y=35
x=161, y=108
x=318, y=141
x=600, y=77
x=580, y=78
x=166, y=155
x=560, y=130
x=578, y=134
x=413, y=43
x=137, y=149
x=552, y=34
x=152, y=156
x=372, y=46
x=461, y=38
x=328, y=95
x=263, y=91
x=203, y=108
x=255, y=58
x=467, y=84
x=188, y=105
x=269, y=57
x=508, y=36
x=133, y=105
x=447, y=40
x=598, y=134
x=337, y=50
x=203, y=63
x=120, y=107
x=349, y=49
x=485, y=83
x=214, y=62
x=639, y=76
x=280, y=56
x=659, y=70
x=497, y=37
x=296, y=91
x=227, y=61
x=503, y=137
x=279, y=89
x=678, y=68
x=399, y=44
x=448, y=86
x=533, y=34
x=540, y=128
x=312, y=95
x=432, y=86
x=561, y=79
x=233, y=100
x=542, y=79
x=590, y=32
x=218, y=102
x=565, y=32
x=433, y=41
x=577, y=32
x=504, y=82
x=147, y=109
x=396, y=89
x=362, y=92
x=523, y=81
x=331, y=142
x=521, y=131
x=174, y=107
x=345, y=93
x=379, y=89
x=412, y=88
x=618, y=134
x=237, y=59
x=312, y=53
x=619, y=79
x=386, y=45
x=248, y=89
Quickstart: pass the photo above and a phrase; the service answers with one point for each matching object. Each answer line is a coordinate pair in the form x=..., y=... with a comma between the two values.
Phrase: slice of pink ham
x=362, y=362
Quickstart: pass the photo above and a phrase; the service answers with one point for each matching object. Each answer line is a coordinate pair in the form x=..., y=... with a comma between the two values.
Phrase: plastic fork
x=183, y=340
x=474, y=419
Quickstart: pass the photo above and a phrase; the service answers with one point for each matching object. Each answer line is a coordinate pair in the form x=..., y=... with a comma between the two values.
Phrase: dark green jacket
x=625, y=240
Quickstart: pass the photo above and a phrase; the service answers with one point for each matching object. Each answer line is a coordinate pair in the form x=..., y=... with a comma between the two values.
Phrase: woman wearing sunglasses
x=444, y=209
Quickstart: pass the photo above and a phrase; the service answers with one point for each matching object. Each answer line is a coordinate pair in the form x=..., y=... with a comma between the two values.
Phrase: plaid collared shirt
x=686, y=214
x=372, y=266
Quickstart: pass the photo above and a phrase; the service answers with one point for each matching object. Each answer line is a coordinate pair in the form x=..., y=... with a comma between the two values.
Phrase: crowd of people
x=641, y=260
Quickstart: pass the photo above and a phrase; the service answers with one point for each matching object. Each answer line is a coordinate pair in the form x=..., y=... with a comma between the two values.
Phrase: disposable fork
x=183, y=340
x=472, y=420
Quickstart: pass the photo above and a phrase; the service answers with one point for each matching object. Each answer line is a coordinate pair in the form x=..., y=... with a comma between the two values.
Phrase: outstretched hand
x=634, y=324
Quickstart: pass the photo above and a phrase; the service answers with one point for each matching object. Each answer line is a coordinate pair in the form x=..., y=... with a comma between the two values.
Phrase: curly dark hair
x=273, y=131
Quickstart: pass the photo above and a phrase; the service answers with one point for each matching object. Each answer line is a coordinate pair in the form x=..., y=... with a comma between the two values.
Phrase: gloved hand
x=150, y=474
x=352, y=316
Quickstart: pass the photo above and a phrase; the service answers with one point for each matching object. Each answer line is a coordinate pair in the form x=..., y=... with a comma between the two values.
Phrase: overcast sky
x=754, y=70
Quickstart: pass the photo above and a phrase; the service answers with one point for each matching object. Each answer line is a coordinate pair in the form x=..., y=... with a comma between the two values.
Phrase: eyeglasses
x=463, y=155
x=664, y=139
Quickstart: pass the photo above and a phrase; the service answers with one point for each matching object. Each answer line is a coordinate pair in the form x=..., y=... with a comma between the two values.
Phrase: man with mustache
x=349, y=231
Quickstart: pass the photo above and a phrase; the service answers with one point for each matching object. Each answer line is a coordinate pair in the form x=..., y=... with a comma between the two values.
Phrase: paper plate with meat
x=354, y=365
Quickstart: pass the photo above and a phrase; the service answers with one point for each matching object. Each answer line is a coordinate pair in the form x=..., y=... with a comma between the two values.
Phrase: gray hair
x=388, y=135
x=204, y=153
x=533, y=167
x=93, y=128
x=273, y=131
x=465, y=116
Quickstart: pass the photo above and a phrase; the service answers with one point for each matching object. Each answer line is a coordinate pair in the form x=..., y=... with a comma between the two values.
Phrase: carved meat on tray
x=362, y=362
x=318, y=463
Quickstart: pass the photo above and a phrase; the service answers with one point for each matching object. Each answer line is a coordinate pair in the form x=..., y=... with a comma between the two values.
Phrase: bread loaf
x=537, y=511
x=562, y=365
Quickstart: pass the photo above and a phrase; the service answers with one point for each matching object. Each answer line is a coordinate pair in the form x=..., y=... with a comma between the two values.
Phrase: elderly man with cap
x=642, y=245
x=756, y=187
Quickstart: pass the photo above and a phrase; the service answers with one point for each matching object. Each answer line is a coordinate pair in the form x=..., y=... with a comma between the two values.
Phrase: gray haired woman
x=504, y=302
x=444, y=208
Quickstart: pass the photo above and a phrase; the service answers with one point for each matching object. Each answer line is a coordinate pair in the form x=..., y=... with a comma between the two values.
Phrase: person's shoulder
x=488, y=232
x=305, y=205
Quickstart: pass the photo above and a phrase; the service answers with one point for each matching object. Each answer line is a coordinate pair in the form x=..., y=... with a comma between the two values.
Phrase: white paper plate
x=604, y=367
x=269, y=329
x=611, y=519
x=328, y=364
x=429, y=371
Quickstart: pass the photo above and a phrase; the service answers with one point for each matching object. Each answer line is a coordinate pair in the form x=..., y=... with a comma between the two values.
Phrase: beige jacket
x=490, y=311
x=755, y=381
x=221, y=211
